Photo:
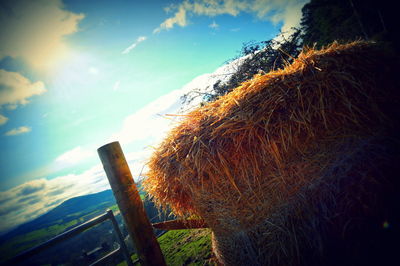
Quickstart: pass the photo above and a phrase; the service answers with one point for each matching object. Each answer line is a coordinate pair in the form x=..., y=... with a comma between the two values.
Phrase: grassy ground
x=185, y=247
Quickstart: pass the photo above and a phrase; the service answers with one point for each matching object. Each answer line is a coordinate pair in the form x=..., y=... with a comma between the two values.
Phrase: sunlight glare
x=74, y=72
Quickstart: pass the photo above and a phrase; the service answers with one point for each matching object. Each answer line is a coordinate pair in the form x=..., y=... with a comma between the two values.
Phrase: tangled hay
x=292, y=164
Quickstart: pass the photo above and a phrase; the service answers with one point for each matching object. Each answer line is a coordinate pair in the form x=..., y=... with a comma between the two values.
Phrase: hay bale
x=291, y=165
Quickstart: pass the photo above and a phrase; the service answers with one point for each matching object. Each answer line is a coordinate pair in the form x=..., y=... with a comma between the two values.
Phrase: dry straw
x=284, y=166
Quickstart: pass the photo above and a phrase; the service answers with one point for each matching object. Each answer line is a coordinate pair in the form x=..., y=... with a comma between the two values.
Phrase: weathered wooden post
x=130, y=204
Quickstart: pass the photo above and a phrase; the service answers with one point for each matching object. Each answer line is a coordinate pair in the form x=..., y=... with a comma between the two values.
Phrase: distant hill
x=67, y=215
x=66, y=212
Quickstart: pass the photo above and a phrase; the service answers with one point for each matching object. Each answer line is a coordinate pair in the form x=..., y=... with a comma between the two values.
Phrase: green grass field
x=185, y=247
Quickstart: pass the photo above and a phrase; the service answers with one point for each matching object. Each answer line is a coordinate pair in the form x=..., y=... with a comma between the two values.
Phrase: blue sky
x=75, y=75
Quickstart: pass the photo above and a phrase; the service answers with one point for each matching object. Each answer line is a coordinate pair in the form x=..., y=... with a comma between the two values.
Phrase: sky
x=75, y=75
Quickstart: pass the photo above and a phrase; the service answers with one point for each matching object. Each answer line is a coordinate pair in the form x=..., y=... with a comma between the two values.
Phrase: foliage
x=254, y=58
x=325, y=21
x=262, y=57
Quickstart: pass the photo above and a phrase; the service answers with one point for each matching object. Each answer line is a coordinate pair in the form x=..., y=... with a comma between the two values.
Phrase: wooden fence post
x=130, y=204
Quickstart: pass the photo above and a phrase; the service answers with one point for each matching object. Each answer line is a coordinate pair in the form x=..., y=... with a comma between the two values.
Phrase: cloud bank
x=150, y=124
x=31, y=199
x=287, y=12
x=75, y=156
x=34, y=30
x=17, y=89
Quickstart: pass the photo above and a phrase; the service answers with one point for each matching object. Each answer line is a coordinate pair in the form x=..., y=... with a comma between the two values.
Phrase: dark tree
x=325, y=21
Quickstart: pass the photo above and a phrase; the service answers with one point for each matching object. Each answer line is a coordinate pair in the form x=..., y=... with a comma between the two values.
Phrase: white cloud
x=3, y=119
x=34, y=30
x=213, y=25
x=29, y=200
x=150, y=124
x=133, y=45
x=137, y=162
x=18, y=131
x=17, y=89
x=179, y=18
x=34, y=198
x=284, y=11
x=74, y=156
x=290, y=16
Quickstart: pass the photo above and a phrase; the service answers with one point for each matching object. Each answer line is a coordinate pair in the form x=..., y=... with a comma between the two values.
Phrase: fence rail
x=109, y=215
